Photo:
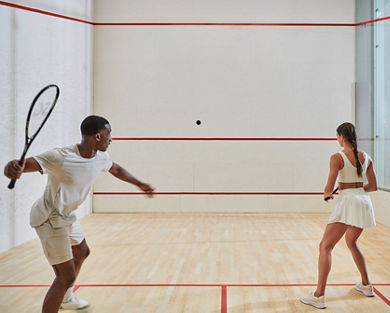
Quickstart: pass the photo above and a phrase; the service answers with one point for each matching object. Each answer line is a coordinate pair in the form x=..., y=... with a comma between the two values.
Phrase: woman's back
x=348, y=173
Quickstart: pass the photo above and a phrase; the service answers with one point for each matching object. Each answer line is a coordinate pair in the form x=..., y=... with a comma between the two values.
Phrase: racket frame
x=29, y=140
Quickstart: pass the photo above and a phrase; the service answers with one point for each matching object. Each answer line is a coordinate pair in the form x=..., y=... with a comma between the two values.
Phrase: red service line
x=113, y=193
x=228, y=24
x=380, y=295
x=225, y=139
x=21, y=7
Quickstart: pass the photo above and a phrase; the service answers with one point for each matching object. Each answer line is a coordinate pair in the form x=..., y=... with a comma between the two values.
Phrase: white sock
x=68, y=295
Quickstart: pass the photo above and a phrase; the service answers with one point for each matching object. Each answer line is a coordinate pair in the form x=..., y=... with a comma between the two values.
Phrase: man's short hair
x=92, y=125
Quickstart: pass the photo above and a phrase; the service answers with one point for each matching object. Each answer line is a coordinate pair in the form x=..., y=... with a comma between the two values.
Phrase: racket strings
x=43, y=105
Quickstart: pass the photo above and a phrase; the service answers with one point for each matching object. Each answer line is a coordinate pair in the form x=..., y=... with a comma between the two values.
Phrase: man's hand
x=147, y=189
x=121, y=173
x=13, y=170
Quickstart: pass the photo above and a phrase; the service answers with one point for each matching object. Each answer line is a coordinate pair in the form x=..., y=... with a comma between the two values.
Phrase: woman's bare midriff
x=350, y=185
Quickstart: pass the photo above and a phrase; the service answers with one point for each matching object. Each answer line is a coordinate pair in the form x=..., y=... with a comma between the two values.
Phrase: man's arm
x=13, y=170
x=119, y=172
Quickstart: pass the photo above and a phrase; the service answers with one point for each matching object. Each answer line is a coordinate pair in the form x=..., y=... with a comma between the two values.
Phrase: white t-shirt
x=70, y=177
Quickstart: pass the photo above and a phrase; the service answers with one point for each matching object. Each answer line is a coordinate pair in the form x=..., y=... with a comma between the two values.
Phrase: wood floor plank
x=202, y=249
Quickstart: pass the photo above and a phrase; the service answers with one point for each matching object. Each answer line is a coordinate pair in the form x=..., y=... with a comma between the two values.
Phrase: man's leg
x=80, y=252
x=57, y=248
x=65, y=276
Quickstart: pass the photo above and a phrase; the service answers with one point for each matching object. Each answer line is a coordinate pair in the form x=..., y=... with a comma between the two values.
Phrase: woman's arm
x=335, y=165
x=371, y=177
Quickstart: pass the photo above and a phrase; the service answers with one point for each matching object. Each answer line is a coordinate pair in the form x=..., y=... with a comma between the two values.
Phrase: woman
x=352, y=213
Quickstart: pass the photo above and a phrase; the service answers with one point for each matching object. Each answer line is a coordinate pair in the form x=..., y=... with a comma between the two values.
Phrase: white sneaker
x=75, y=304
x=367, y=290
x=310, y=299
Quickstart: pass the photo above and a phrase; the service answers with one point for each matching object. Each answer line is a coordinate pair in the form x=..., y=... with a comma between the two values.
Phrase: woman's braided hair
x=348, y=130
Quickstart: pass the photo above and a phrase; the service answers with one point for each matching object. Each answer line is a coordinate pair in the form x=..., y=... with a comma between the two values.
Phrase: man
x=71, y=172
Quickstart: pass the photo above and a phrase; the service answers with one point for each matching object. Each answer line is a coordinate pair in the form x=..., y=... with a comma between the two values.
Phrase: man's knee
x=69, y=278
x=66, y=273
x=81, y=251
x=87, y=252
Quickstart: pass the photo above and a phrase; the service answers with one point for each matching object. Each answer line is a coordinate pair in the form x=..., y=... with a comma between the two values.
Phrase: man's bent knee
x=81, y=251
x=65, y=272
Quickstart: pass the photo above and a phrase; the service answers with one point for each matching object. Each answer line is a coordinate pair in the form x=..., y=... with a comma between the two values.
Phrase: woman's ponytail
x=349, y=133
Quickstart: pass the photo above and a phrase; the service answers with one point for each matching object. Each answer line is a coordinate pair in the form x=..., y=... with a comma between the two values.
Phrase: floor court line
x=188, y=285
x=380, y=295
x=223, y=300
x=222, y=286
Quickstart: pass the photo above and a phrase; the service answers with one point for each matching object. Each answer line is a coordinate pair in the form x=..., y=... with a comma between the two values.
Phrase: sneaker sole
x=364, y=292
x=315, y=304
x=75, y=309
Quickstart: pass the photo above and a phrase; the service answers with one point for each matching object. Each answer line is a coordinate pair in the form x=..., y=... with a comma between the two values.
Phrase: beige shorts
x=57, y=242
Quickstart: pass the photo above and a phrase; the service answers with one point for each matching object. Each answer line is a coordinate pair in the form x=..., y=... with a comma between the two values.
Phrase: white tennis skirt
x=353, y=207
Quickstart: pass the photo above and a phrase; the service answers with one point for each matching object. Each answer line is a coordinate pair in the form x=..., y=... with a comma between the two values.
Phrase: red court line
x=194, y=285
x=225, y=139
x=76, y=287
x=373, y=21
x=223, y=300
x=223, y=286
x=228, y=24
x=380, y=295
x=14, y=286
x=21, y=7
x=102, y=193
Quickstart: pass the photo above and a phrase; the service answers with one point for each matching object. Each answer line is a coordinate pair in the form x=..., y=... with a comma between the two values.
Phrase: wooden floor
x=202, y=263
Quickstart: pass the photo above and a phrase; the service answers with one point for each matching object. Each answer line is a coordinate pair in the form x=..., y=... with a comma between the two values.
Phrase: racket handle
x=334, y=191
x=12, y=183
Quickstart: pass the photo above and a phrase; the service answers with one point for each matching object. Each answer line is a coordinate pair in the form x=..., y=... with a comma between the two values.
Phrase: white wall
x=37, y=50
x=156, y=81
x=381, y=200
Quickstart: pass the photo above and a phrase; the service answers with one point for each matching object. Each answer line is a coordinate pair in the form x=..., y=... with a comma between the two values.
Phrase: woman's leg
x=333, y=233
x=351, y=237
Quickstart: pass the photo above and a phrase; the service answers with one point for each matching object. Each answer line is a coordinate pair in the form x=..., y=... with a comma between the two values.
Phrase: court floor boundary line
x=222, y=286
x=223, y=299
x=380, y=295
x=190, y=285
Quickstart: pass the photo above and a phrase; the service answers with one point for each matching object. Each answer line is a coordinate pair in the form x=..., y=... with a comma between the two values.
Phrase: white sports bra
x=348, y=174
